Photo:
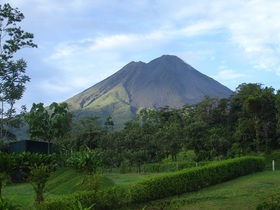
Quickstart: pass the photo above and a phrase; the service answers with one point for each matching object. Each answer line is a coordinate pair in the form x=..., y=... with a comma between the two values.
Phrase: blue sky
x=81, y=42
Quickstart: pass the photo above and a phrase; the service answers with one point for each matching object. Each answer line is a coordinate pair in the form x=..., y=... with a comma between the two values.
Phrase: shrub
x=91, y=182
x=6, y=168
x=3, y=179
x=26, y=160
x=39, y=175
x=271, y=204
x=274, y=155
x=171, y=167
x=194, y=179
x=175, y=183
x=110, y=198
x=80, y=207
x=19, y=164
x=8, y=205
x=87, y=161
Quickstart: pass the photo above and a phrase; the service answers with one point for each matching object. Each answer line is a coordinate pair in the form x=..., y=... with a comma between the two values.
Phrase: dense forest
x=247, y=122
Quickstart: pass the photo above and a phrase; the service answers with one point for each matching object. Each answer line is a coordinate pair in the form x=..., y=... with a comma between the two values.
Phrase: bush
x=8, y=205
x=170, y=167
x=6, y=168
x=194, y=179
x=175, y=183
x=39, y=175
x=17, y=166
x=274, y=155
x=110, y=198
x=87, y=161
x=271, y=204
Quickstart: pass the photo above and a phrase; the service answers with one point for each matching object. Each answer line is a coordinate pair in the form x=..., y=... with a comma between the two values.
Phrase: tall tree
x=49, y=124
x=12, y=72
x=277, y=105
x=255, y=112
x=86, y=131
x=109, y=124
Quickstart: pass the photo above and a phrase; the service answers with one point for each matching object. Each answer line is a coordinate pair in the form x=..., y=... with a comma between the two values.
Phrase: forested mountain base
x=246, y=123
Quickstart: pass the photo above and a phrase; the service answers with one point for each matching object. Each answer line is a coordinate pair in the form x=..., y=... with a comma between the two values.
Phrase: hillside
x=164, y=81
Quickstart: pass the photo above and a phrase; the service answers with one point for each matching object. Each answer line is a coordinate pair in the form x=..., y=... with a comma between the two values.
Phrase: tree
x=277, y=105
x=169, y=140
x=49, y=125
x=109, y=124
x=86, y=132
x=198, y=134
x=255, y=112
x=12, y=72
x=207, y=128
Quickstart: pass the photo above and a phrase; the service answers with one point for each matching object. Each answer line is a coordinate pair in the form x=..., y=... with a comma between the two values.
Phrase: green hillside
x=114, y=103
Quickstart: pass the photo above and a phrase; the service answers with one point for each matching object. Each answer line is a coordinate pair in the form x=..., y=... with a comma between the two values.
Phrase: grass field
x=242, y=193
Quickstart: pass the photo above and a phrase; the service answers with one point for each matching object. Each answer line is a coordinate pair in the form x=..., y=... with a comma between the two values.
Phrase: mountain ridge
x=164, y=81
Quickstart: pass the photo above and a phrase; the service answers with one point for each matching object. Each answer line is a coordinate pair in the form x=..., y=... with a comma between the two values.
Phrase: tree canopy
x=49, y=124
x=13, y=75
x=246, y=122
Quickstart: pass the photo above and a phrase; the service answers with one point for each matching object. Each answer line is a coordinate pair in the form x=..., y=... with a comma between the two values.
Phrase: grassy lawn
x=20, y=194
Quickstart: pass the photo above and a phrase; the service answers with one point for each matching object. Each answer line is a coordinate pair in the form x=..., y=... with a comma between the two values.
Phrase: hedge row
x=110, y=198
x=170, y=167
x=175, y=183
x=193, y=179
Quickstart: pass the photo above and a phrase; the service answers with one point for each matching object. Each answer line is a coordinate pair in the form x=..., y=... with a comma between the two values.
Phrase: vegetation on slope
x=245, y=192
x=66, y=181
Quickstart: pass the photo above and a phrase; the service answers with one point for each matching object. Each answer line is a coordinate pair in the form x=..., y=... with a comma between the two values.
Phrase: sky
x=82, y=42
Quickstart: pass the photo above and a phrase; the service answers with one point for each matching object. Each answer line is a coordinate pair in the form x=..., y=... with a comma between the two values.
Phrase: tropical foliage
x=50, y=124
x=12, y=72
x=245, y=123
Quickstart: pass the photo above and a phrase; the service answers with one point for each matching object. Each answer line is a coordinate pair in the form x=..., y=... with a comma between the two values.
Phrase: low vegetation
x=105, y=194
x=246, y=192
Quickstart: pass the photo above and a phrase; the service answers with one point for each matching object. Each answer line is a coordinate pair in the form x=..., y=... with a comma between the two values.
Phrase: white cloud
x=200, y=28
x=53, y=5
x=54, y=87
x=256, y=31
x=228, y=75
x=121, y=43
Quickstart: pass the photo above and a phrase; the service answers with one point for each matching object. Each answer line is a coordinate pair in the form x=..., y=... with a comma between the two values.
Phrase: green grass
x=20, y=194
